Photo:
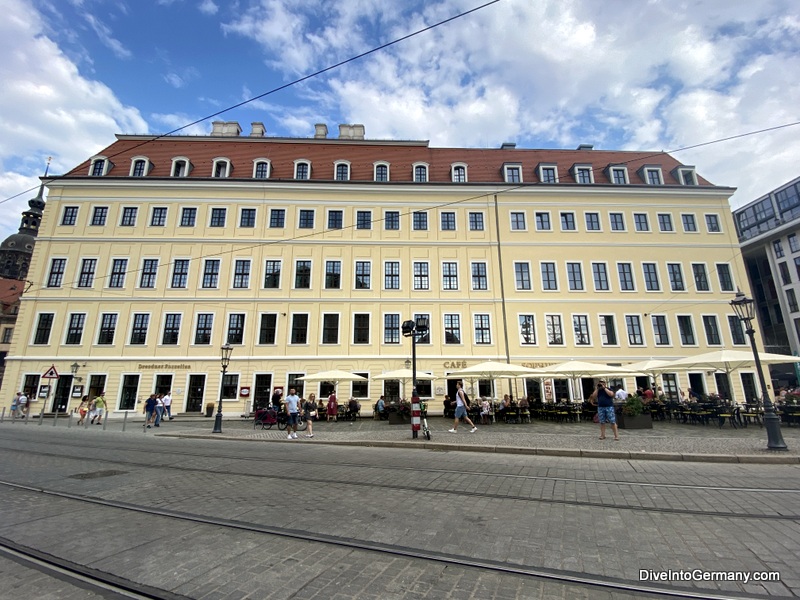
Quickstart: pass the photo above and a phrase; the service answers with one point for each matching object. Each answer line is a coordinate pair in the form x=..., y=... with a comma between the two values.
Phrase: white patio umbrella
x=730, y=360
x=490, y=370
x=651, y=367
x=404, y=376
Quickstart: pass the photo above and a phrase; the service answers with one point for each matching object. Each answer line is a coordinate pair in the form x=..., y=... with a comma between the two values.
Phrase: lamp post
x=226, y=352
x=745, y=311
x=415, y=330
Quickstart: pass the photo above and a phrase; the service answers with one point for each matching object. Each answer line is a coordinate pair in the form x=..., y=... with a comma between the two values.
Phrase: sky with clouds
x=619, y=74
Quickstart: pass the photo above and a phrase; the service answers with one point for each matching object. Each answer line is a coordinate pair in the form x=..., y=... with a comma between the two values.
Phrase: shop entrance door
x=194, y=397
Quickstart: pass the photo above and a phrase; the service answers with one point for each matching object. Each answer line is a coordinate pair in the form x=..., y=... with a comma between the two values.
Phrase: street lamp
x=415, y=329
x=408, y=363
x=226, y=351
x=745, y=311
x=73, y=368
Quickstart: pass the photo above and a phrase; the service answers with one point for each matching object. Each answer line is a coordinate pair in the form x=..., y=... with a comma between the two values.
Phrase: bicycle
x=302, y=424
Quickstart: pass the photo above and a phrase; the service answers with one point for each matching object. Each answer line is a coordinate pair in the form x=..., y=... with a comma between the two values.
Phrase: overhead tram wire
x=283, y=87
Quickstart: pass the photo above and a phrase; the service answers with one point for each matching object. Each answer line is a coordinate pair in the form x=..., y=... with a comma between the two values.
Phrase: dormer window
x=181, y=167
x=512, y=173
x=618, y=175
x=381, y=171
x=222, y=168
x=458, y=173
x=548, y=173
x=261, y=168
x=140, y=166
x=685, y=175
x=302, y=169
x=100, y=166
x=420, y=172
x=342, y=171
x=651, y=175
x=583, y=173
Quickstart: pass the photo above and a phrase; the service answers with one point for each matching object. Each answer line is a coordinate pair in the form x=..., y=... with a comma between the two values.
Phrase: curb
x=772, y=458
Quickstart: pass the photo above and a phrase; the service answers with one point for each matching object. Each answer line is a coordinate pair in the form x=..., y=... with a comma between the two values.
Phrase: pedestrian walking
x=159, y=409
x=310, y=410
x=15, y=404
x=23, y=405
x=83, y=409
x=168, y=405
x=292, y=405
x=99, y=408
x=603, y=398
x=149, y=410
x=462, y=404
x=277, y=399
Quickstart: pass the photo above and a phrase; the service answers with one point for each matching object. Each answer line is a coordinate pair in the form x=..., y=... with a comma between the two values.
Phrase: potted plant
x=633, y=415
x=399, y=412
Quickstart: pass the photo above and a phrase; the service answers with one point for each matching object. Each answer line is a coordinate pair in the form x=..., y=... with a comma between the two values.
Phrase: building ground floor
x=250, y=384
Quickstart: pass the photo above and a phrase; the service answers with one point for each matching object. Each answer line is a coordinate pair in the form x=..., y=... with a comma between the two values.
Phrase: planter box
x=396, y=418
x=643, y=421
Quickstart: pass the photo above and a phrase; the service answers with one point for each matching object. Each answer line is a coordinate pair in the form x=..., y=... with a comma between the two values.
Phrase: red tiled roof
x=10, y=291
x=483, y=165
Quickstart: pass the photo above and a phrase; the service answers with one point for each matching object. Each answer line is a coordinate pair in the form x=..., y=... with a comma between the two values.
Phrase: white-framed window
x=458, y=172
x=626, y=281
x=128, y=217
x=512, y=173
x=548, y=173
x=633, y=324
x=725, y=277
x=391, y=328
x=617, y=221
x=262, y=168
x=618, y=174
x=555, y=330
x=600, y=277
x=676, y=281
x=140, y=323
x=575, y=276
x=422, y=277
x=686, y=330
x=419, y=220
x=363, y=273
x=381, y=171
x=452, y=328
x=711, y=328
x=712, y=223
x=363, y=219
x=447, y=220
x=608, y=330
x=700, y=274
x=580, y=330
x=99, y=166
x=247, y=217
x=543, y=221
x=476, y=221
x=480, y=276
x=641, y=222
x=391, y=220
x=330, y=328
x=517, y=219
x=221, y=167
x=592, y=221
x=391, y=275
x=299, y=331
x=685, y=175
x=218, y=217
x=583, y=173
x=527, y=329
x=241, y=274
x=549, y=277
x=420, y=171
x=361, y=322
x=305, y=218
x=689, y=222
x=652, y=175
x=341, y=170
x=171, y=332
x=650, y=275
x=522, y=276
x=181, y=167
x=211, y=273
x=69, y=215
x=450, y=275
x=302, y=169
x=119, y=268
x=158, y=216
x=660, y=330
x=568, y=221
x=56, y=276
x=302, y=274
x=483, y=328
x=140, y=166
x=665, y=222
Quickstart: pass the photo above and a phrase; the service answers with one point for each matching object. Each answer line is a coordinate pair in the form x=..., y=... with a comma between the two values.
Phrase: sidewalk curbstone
x=774, y=459
x=558, y=452
x=605, y=454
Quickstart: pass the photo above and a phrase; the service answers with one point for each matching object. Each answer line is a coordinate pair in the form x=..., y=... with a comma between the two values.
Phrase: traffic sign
x=51, y=373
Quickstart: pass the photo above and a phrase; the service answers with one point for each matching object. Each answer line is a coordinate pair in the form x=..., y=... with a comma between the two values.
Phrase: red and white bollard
x=415, y=416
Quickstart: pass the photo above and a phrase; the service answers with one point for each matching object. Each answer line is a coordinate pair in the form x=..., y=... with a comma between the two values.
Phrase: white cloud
x=105, y=34
x=556, y=73
x=208, y=7
x=47, y=109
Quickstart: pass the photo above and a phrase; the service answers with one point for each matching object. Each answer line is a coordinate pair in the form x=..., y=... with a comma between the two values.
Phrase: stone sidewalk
x=666, y=441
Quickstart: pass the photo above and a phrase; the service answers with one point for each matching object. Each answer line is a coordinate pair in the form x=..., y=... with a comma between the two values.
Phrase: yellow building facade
x=308, y=254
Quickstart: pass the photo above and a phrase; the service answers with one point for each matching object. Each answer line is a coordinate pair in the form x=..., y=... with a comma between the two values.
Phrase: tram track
x=420, y=469
x=130, y=589
x=427, y=489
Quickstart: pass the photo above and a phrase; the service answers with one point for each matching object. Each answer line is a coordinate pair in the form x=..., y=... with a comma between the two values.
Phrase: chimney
x=225, y=129
x=257, y=129
x=320, y=131
x=508, y=146
x=586, y=147
x=351, y=132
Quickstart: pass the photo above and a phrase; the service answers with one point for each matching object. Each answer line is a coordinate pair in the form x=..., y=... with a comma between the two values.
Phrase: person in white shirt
x=461, y=410
x=621, y=394
x=292, y=403
x=22, y=405
x=168, y=405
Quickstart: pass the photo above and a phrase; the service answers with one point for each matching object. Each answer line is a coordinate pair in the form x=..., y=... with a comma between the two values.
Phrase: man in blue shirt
x=292, y=403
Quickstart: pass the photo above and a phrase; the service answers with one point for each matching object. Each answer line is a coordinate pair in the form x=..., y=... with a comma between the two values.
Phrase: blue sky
x=619, y=74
